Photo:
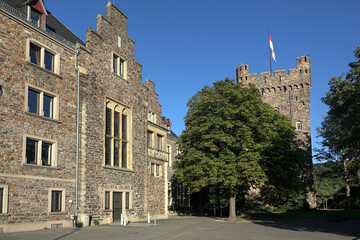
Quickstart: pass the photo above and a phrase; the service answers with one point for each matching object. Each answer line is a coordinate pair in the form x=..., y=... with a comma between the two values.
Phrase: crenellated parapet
x=296, y=78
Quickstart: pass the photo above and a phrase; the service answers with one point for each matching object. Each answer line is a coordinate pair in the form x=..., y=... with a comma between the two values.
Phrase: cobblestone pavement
x=203, y=228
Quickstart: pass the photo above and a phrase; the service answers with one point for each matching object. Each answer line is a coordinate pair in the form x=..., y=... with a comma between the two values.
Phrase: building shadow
x=349, y=228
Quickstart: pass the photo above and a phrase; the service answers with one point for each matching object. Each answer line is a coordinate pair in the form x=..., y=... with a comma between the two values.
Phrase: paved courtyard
x=185, y=228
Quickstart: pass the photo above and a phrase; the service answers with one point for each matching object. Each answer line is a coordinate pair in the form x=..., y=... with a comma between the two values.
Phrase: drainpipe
x=77, y=135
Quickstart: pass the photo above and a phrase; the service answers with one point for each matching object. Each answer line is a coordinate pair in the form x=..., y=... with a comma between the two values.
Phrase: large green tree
x=340, y=129
x=233, y=141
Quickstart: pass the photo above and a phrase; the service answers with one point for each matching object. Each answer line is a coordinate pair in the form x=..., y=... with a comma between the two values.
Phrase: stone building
x=123, y=147
x=289, y=94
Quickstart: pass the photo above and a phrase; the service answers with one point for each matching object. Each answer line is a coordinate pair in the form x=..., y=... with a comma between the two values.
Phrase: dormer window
x=36, y=13
x=35, y=17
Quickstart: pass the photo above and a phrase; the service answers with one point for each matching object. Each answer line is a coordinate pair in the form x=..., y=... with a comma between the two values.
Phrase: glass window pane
x=31, y=151
x=124, y=127
x=107, y=200
x=122, y=63
x=34, y=54
x=152, y=169
x=115, y=64
x=56, y=201
x=49, y=61
x=149, y=139
x=46, y=154
x=159, y=143
x=116, y=153
x=33, y=101
x=108, y=121
x=157, y=170
x=107, y=151
x=1, y=199
x=35, y=16
x=127, y=200
x=116, y=124
x=124, y=155
x=48, y=106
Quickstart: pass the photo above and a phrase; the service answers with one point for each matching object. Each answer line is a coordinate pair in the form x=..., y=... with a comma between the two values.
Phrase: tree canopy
x=340, y=129
x=234, y=141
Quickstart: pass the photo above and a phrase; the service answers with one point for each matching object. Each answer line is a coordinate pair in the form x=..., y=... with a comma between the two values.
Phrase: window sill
x=121, y=77
x=56, y=213
x=43, y=69
x=42, y=117
x=40, y=166
x=119, y=169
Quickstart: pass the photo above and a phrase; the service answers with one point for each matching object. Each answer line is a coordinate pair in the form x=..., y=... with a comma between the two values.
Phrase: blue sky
x=185, y=45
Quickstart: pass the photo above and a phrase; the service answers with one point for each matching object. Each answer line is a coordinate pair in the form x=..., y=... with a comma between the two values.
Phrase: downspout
x=77, y=135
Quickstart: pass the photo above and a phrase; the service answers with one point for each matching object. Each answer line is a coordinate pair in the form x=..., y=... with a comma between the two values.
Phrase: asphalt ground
x=203, y=228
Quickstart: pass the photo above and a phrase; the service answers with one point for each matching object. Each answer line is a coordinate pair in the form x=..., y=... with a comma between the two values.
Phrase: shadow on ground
x=344, y=228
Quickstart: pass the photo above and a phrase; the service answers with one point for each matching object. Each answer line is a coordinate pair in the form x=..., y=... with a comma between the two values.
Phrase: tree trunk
x=347, y=186
x=232, y=208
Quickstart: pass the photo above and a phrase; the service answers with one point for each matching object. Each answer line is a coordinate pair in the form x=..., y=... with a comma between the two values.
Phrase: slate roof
x=52, y=23
x=172, y=135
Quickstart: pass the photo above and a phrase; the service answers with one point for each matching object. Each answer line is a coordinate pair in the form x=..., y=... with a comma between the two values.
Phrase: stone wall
x=290, y=95
x=29, y=184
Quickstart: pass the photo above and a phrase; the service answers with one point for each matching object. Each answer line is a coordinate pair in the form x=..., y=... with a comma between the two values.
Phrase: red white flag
x=272, y=48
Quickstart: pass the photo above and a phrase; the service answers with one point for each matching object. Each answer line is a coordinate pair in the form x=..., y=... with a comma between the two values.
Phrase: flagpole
x=270, y=54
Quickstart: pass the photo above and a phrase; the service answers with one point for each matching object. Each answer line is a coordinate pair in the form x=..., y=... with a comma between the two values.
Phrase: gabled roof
x=52, y=23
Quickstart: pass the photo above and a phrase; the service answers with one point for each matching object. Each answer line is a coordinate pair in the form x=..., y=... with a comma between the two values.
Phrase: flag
x=272, y=48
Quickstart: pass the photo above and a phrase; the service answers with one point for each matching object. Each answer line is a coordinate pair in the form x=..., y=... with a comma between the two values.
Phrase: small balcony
x=157, y=154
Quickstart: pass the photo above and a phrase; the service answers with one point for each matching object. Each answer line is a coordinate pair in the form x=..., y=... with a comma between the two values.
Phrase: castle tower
x=289, y=94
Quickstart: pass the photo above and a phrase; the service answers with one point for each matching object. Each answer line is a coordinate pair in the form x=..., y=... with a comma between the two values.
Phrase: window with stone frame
x=126, y=196
x=40, y=151
x=152, y=117
x=117, y=135
x=57, y=198
x=150, y=139
x=155, y=170
x=107, y=200
x=298, y=125
x=41, y=102
x=159, y=142
x=43, y=56
x=3, y=199
x=118, y=66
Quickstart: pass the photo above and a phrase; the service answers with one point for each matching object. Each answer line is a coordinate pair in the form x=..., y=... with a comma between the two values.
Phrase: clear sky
x=184, y=45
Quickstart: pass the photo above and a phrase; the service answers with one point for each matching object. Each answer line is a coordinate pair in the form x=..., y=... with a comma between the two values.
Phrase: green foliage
x=234, y=141
x=327, y=181
x=96, y=222
x=340, y=128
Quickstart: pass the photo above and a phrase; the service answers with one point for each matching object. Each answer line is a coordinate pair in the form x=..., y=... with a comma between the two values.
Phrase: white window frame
x=152, y=117
x=63, y=199
x=42, y=92
x=121, y=65
x=43, y=48
x=40, y=140
x=5, y=198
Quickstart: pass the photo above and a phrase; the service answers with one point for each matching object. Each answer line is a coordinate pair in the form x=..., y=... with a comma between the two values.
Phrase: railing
x=22, y=16
x=157, y=154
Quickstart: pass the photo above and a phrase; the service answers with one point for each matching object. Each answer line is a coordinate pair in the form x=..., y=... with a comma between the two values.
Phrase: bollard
x=148, y=217
x=125, y=222
x=122, y=219
x=155, y=219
